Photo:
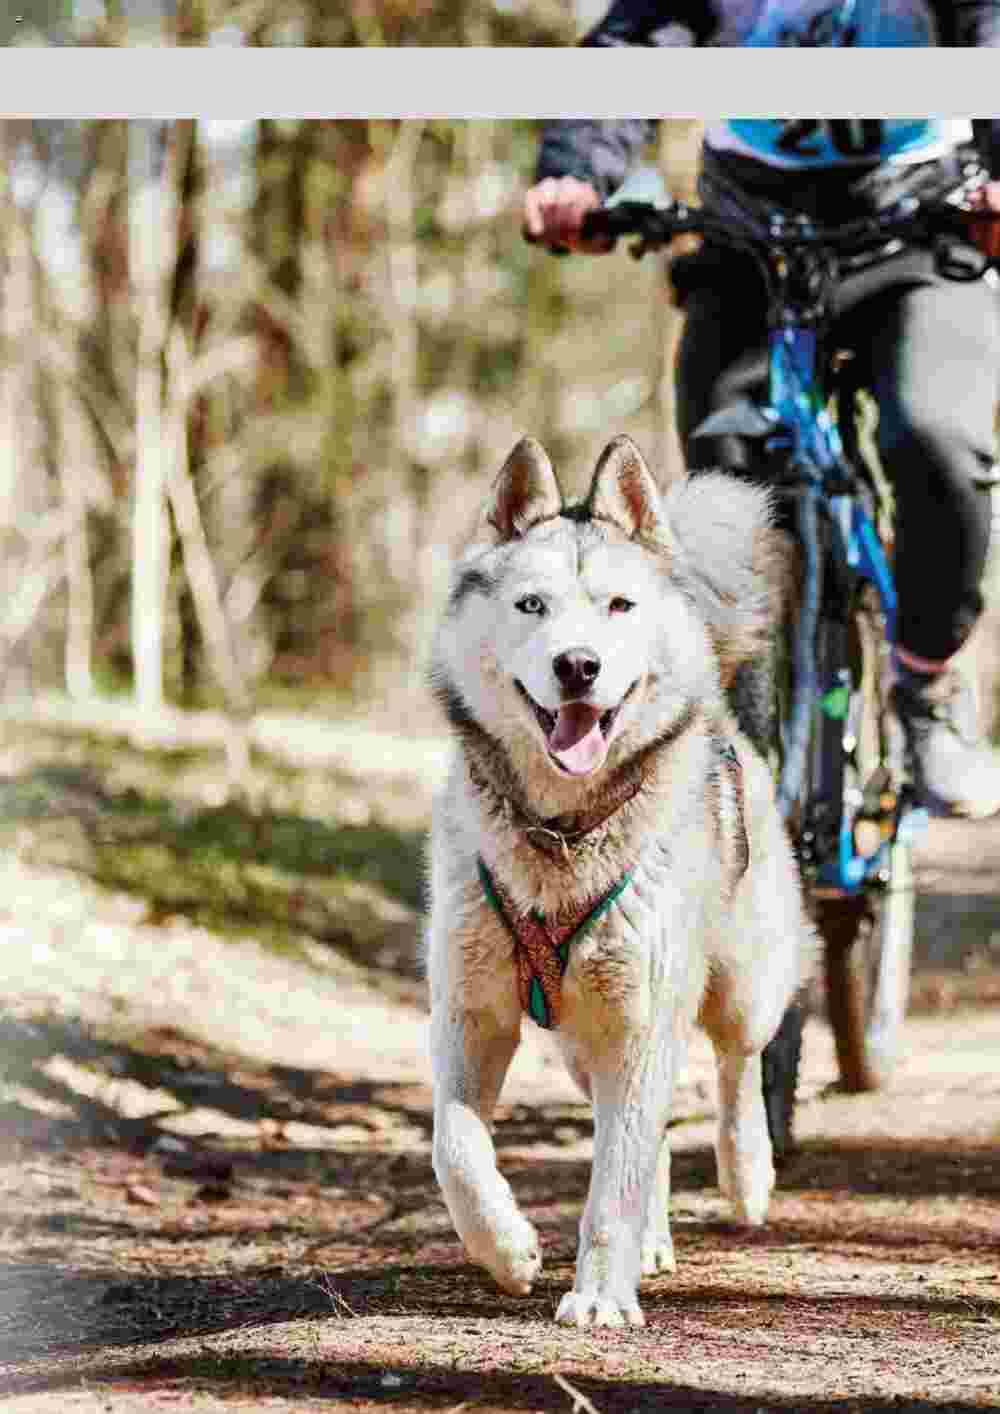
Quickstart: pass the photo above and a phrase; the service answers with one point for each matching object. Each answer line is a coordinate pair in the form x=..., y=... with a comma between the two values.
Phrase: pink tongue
x=577, y=741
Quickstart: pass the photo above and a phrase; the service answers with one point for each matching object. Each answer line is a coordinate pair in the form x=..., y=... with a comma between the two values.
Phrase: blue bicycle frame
x=803, y=428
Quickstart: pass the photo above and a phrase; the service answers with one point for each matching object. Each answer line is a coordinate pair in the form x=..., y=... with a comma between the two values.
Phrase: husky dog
x=606, y=854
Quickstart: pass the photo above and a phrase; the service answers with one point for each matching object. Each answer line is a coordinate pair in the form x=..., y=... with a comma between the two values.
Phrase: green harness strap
x=543, y=948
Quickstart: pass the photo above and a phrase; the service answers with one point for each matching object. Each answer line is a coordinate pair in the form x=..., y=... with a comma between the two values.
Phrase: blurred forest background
x=255, y=378
x=271, y=23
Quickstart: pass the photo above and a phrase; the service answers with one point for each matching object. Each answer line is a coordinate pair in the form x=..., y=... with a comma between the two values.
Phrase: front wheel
x=868, y=944
x=780, y=1074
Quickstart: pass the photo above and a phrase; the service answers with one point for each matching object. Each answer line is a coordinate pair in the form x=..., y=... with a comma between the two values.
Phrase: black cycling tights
x=930, y=353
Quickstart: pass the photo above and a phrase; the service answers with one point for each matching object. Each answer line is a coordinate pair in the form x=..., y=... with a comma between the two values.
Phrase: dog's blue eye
x=620, y=605
x=530, y=604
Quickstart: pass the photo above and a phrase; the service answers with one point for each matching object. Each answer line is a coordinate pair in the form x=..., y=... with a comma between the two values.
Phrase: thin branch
x=194, y=545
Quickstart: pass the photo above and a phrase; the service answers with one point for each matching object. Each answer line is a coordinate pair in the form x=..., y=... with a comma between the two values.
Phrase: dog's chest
x=637, y=938
x=544, y=947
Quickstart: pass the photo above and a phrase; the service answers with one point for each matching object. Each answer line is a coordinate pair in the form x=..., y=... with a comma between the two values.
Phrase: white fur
x=686, y=940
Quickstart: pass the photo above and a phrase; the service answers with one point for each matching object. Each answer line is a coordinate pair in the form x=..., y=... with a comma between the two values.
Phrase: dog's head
x=576, y=634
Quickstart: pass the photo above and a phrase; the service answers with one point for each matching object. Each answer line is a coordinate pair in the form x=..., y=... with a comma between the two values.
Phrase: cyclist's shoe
x=955, y=770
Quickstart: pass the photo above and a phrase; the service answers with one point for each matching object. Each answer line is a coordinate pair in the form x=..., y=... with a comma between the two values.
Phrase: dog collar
x=542, y=946
x=546, y=835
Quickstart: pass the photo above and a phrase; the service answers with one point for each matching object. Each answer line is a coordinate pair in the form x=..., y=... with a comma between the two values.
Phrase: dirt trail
x=216, y=1194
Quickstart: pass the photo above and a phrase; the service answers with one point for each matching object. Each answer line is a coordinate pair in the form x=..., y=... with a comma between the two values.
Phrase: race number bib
x=820, y=24
x=834, y=142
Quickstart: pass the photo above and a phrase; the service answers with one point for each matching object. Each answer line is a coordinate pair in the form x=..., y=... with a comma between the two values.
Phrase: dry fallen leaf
x=139, y=1193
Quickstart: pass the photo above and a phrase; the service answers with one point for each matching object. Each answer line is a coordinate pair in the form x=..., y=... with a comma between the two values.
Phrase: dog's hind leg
x=740, y=1022
x=657, y=1243
x=471, y=1051
x=743, y=1146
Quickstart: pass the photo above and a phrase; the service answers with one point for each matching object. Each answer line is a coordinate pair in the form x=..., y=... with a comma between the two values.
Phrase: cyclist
x=929, y=348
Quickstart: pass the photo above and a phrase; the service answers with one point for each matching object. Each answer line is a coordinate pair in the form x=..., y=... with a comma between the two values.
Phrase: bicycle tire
x=868, y=939
x=780, y=1078
x=753, y=698
x=867, y=946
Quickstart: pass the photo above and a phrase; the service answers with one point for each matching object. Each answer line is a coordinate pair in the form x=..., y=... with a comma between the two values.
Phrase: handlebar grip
x=608, y=223
x=537, y=240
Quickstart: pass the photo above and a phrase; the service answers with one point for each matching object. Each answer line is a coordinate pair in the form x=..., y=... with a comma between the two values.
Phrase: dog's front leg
x=630, y=1091
x=471, y=1050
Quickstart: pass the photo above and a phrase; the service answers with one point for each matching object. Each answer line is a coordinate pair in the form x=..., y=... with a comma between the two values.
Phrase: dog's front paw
x=658, y=1254
x=513, y=1258
x=593, y=1307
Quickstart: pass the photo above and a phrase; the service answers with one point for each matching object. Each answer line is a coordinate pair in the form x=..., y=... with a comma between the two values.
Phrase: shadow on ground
x=314, y=1369
x=265, y=1227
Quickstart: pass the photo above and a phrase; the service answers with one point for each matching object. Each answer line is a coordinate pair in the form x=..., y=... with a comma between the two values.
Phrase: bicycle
x=837, y=748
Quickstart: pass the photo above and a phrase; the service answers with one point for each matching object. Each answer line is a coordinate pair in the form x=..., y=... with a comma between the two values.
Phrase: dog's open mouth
x=578, y=734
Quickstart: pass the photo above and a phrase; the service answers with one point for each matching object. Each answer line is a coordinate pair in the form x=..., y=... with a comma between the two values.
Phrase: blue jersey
x=602, y=151
x=820, y=24
x=811, y=24
x=803, y=143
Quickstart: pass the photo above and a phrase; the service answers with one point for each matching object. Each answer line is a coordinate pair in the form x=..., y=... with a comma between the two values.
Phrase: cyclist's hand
x=986, y=234
x=553, y=214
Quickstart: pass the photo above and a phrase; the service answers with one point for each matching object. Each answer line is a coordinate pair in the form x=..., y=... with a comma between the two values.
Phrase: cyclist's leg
x=935, y=367
x=722, y=358
x=935, y=371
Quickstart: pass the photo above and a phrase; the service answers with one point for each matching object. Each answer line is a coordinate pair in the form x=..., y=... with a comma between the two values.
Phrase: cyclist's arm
x=596, y=152
x=581, y=153
x=976, y=23
x=986, y=132
x=675, y=23
x=581, y=162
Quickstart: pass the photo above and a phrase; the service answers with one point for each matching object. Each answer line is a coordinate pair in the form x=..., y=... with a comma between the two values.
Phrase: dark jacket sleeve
x=971, y=24
x=651, y=23
x=602, y=152
x=597, y=152
x=987, y=134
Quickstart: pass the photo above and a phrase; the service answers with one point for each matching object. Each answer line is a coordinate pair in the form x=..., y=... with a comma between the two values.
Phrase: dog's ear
x=623, y=493
x=525, y=492
x=731, y=560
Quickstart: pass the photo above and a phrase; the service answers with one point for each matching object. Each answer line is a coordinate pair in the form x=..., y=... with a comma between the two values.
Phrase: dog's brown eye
x=620, y=605
x=530, y=604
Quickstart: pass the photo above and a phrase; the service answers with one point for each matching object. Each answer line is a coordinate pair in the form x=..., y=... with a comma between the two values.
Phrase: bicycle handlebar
x=657, y=225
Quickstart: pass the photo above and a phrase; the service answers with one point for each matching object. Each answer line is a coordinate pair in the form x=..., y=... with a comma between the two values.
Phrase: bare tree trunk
x=679, y=151
x=198, y=564
x=72, y=437
x=188, y=453
x=401, y=518
x=152, y=254
x=102, y=359
x=30, y=565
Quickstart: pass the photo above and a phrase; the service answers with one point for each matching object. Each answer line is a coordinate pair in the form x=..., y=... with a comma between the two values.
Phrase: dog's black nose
x=576, y=670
